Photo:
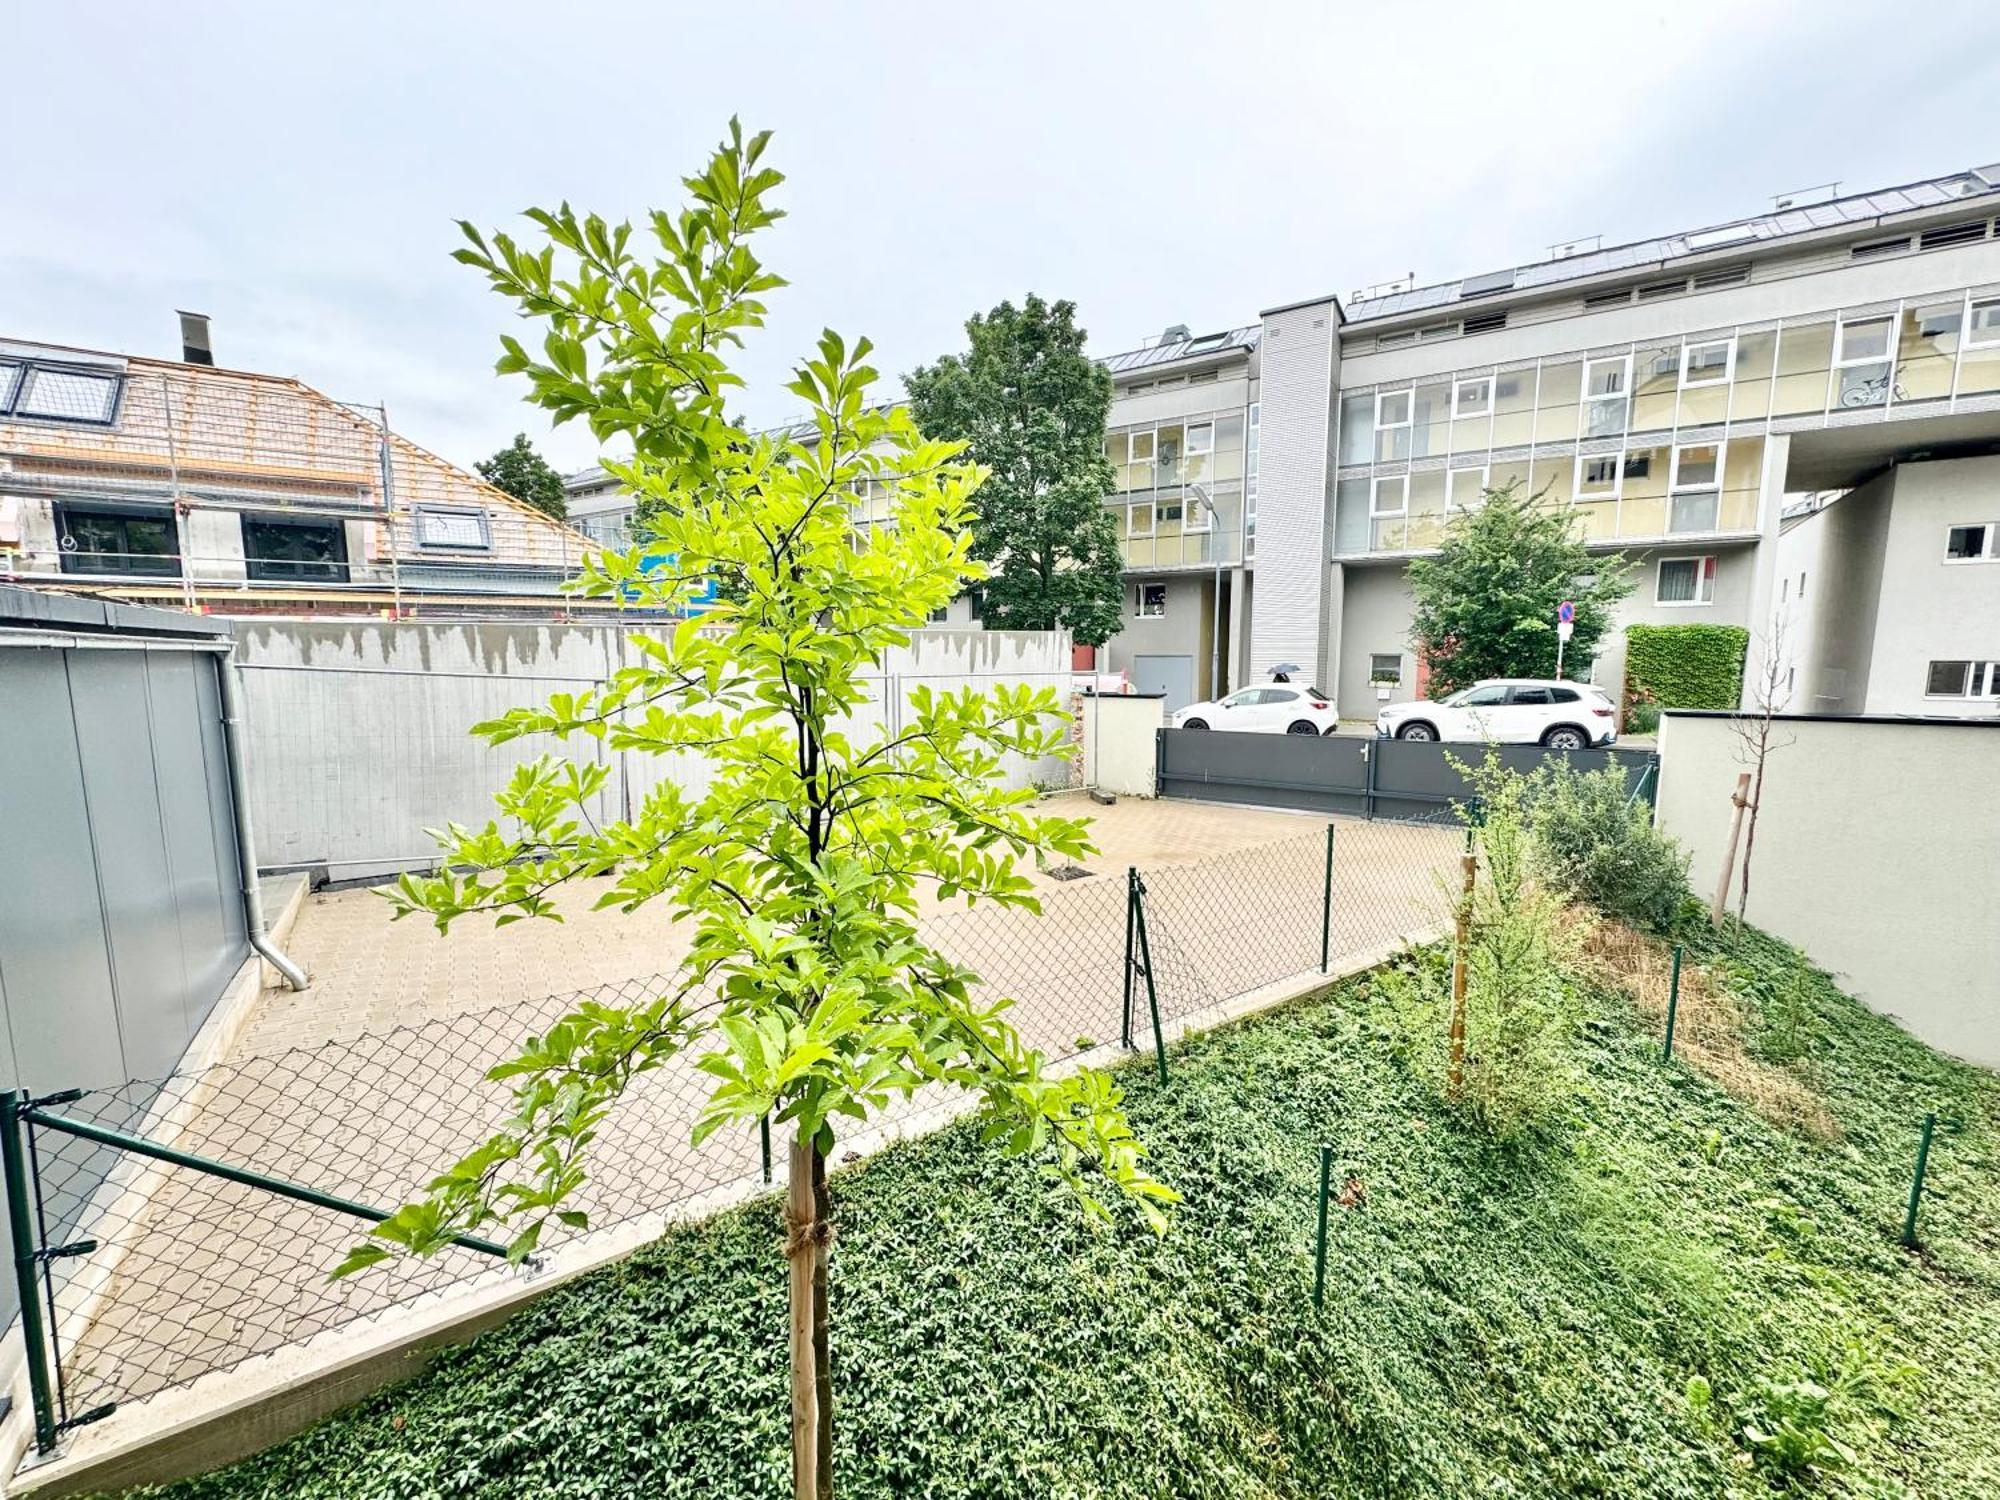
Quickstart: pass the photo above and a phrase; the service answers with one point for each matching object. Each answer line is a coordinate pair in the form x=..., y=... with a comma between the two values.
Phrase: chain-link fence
x=181, y=1226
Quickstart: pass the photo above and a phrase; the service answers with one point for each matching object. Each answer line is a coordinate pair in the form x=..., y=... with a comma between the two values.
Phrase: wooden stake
x=1737, y=803
x=1462, y=945
x=801, y=1246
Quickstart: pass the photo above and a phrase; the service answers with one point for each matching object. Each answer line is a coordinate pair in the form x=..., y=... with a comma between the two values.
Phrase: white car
x=1509, y=711
x=1272, y=708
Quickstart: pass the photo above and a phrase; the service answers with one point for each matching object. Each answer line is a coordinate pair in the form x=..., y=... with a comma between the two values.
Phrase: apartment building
x=177, y=482
x=1670, y=394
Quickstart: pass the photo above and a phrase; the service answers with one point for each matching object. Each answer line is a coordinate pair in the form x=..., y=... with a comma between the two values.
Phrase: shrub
x=1685, y=666
x=1522, y=1018
x=1594, y=843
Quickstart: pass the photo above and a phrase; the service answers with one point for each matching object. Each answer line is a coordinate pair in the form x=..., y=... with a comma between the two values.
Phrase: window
x=62, y=395
x=136, y=543
x=1201, y=437
x=1390, y=497
x=1392, y=425
x=1197, y=517
x=1685, y=580
x=939, y=615
x=1696, y=491
x=1486, y=697
x=1250, y=453
x=1972, y=543
x=1861, y=361
x=1151, y=601
x=1985, y=324
x=1139, y=519
x=458, y=530
x=1472, y=398
x=1530, y=695
x=10, y=377
x=1869, y=249
x=1652, y=289
x=1597, y=478
x=282, y=549
x=1639, y=465
x=1386, y=667
x=1607, y=395
x=1564, y=695
x=1962, y=679
x=1707, y=364
x=975, y=604
x=1485, y=322
x=1940, y=320
x=1608, y=299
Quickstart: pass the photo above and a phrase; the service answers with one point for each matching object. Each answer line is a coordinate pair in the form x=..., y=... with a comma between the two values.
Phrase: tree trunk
x=1750, y=834
x=801, y=1251
x=1737, y=803
x=822, y=1327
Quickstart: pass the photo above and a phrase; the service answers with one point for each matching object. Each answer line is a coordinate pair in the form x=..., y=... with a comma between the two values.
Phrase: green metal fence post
x=1917, y=1183
x=1146, y=961
x=1673, y=1005
x=1131, y=905
x=1319, y=1245
x=1326, y=905
x=27, y=1257
x=764, y=1140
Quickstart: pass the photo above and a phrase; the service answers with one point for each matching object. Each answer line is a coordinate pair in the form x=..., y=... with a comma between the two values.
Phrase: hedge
x=1685, y=666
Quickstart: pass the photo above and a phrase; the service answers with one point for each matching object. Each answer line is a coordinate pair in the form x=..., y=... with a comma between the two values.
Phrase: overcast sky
x=294, y=169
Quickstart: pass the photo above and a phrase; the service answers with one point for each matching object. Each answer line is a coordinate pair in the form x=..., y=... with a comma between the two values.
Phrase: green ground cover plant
x=1655, y=1292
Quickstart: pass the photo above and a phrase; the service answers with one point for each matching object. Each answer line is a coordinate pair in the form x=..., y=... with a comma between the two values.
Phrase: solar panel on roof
x=1492, y=281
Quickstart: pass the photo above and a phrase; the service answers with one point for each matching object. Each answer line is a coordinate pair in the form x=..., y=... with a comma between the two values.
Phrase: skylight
x=1726, y=234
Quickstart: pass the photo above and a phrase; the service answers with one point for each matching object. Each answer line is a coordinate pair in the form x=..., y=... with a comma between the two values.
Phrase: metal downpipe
x=246, y=842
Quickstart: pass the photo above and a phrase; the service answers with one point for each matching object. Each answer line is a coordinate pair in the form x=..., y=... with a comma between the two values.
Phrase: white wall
x=1120, y=735
x=358, y=730
x=1930, y=609
x=1876, y=852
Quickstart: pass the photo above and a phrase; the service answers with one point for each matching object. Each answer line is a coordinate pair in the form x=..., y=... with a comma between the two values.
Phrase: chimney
x=1176, y=334
x=194, y=339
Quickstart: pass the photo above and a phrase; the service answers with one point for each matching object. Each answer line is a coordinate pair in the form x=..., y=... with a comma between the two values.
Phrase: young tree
x=526, y=475
x=1758, y=734
x=1486, y=603
x=808, y=995
x=1030, y=405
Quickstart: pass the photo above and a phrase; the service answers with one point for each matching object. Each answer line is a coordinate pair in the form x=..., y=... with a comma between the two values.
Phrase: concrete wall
x=1375, y=619
x=1184, y=630
x=1872, y=854
x=1841, y=614
x=1735, y=581
x=358, y=730
x=1120, y=734
x=1930, y=609
x=1299, y=362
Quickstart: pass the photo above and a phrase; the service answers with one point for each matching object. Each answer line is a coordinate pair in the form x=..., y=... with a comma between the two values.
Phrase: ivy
x=1521, y=1320
x=1685, y=666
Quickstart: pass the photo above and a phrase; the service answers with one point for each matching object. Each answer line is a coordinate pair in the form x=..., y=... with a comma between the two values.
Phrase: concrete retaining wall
x=1876, y=852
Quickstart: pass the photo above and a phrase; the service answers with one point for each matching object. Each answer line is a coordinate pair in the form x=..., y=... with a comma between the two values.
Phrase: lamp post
x=1200, y=492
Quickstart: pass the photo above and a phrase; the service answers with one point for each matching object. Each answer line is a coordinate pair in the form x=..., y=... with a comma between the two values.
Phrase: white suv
x=1509, y=711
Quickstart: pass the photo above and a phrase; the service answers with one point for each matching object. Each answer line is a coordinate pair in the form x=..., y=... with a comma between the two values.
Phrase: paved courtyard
x=372, y=1080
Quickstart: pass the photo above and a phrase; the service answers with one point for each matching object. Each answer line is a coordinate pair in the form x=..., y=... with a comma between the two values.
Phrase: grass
x=1599, y=1311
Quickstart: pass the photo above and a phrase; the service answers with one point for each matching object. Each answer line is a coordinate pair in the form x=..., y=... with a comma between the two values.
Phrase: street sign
x=1565, y=613
x=1564, y=630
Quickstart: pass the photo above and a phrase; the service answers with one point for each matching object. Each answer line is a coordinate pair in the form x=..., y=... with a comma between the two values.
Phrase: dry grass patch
x=1712, y=1027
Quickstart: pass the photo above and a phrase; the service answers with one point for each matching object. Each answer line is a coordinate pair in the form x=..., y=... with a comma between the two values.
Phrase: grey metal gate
x=1357, y=774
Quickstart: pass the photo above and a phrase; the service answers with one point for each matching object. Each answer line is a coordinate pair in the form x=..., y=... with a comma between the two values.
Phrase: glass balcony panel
x=1170, y=446
x=1390, y=533
x=1692, y=510
x=1431, y=421
x=1596, y=519
x=1605, y=416
x=1805, y=354
x=1703, y=404
x=1555, y=407
x=1391, y=444
x=1427, y=494
x=1642, y=515
x=1554, y=481
x=1225, y=465
x=1196, y=468
x=1513, y=408
x=1642, y=505
x=1357, y=429
x=1862, y=386
x=1350, y=516
x=1750, y=395
x=1926, y=349
x=1426, y=531
x=1656, y=379
x=1979, y=371
x=1473, y=434
x=1742, y=479
x=1513, y=472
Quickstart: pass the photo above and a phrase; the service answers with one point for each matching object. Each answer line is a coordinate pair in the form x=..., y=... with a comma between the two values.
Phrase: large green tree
x=1486, y=603
x=1030, y=405
x=808, y=995
x=526, y=475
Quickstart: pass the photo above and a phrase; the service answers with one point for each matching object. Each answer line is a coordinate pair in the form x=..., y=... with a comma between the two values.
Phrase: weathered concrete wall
x=1875, y=853
x=358, y=730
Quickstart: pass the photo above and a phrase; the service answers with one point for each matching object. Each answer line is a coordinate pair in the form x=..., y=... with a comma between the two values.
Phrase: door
x=1172, y=675
x=1526, y=715
x=1280, y=707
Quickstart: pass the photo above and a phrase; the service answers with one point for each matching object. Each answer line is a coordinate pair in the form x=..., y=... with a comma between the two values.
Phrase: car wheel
x=1302, y=726
x=1417, y=731
x=1565, y=737
x=1195, y=724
